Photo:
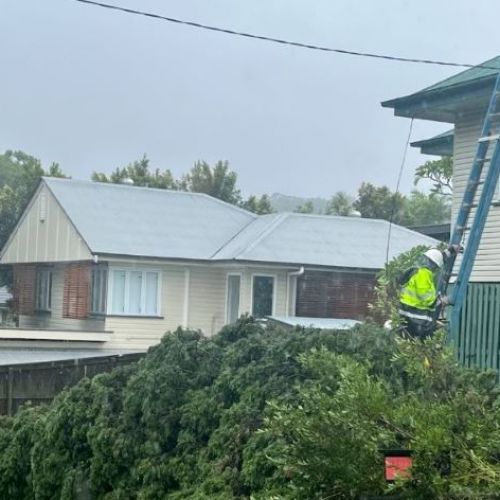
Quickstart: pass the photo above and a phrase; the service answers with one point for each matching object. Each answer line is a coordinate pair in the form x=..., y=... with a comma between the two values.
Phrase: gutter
x=299, y=272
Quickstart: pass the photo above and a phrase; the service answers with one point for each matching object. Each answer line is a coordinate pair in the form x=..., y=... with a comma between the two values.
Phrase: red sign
x=397, y=467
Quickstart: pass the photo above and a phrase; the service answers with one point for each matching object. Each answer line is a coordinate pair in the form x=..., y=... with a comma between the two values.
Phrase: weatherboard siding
x=53, y=239
x=55, y=320
x=207, y=299
x=487, y=263
x=205, y=288
x=136, y=332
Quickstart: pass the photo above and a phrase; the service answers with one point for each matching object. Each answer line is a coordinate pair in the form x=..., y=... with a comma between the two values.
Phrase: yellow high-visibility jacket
x=420, y=291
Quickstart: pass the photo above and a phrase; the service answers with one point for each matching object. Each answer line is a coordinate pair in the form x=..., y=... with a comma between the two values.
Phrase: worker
x=419, y=303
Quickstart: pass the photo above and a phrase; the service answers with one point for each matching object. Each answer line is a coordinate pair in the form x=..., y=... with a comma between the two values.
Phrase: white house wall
x=55, y=320
x=191, y=296
x=51, y=240
x=487, y=264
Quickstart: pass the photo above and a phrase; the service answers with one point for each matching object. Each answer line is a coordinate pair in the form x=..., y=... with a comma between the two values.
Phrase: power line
x=394, y=202
x=281, y=40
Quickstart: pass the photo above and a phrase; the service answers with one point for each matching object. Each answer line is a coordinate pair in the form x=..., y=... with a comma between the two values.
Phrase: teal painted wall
x=478, y=339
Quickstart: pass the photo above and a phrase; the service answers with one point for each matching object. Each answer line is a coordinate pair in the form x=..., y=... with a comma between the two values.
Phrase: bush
x=261, y=413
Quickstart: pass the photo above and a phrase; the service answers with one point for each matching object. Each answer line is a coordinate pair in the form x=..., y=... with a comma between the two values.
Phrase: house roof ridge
x=115, y=185
x=279, y=218
x=234, y=236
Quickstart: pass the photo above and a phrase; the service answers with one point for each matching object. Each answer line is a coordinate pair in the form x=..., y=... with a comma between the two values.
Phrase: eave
x=446, y=104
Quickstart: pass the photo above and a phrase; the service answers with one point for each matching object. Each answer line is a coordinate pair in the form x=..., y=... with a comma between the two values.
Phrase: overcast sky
x=94, y=89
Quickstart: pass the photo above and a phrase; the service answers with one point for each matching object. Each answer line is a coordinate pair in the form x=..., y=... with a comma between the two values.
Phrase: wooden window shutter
x=76, y=294
x=24, y=289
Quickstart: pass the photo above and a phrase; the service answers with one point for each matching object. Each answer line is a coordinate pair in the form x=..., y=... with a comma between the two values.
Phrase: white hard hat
x=388, y=325
x=435, y=256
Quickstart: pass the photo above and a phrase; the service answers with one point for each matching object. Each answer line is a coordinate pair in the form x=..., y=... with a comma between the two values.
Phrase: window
x=233, y=298
x=134, y=292
x=43, y=293
x=262, y=296
x=99, y=290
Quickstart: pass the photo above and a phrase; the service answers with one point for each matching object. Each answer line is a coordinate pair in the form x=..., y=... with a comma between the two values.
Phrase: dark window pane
x=233, y=298
x=263, y=287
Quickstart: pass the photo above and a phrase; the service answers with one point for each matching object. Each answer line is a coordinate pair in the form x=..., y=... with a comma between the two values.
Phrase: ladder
x=487, y=154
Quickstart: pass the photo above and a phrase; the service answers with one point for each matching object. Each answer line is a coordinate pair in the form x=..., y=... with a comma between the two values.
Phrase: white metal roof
x=318, y=323
x=16, y=356
x=128, y=220
x=321, y=240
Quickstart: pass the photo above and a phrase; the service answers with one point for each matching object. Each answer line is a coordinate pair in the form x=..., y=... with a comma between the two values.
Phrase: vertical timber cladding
x=334, y=294
x=479, y=334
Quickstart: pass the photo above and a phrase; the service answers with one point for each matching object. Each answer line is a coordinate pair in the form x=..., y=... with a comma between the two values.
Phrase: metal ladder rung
x=489, y=138
x=475, y=183
x=484, y=160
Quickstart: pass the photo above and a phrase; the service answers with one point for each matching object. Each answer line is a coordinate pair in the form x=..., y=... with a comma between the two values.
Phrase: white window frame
x=127, y=271
x=275, y=286
x=226, y=310
x=44, y=305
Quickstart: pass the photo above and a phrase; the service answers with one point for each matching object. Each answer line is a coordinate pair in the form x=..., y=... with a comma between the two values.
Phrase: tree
x=379, y=203
x=141, y=175
x=424, y=209
x=260, y=206
x=440, y=173
x=340, y=204
x=256, y=412
x=306, y=208
x=218, y=181
x=20, y=174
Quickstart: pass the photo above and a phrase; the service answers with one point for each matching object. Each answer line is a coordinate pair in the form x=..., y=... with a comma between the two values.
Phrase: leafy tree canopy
x=262, y=413
x=20, y=173
x=340, y=204
x=217, y=181
x=306, y=208
x=379, y=203
x=424, y=209
x=440, y=173
x=258, y=205
x=140, y=174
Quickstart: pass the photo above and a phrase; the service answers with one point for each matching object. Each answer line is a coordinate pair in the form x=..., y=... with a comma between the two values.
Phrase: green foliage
x=417, y=209
x=258, y=205
x=440, y=173
x=423, y=209
x=306, y=208
x=217, y=181
x=19, y=176
x=340, y=204
x=262, y=413
x=386, y=293
x=379, y=203
x=327, y=441
x=141, y=175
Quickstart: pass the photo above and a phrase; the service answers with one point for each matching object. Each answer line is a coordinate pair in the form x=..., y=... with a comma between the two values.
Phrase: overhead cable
x=281, y=40
x=396, y=192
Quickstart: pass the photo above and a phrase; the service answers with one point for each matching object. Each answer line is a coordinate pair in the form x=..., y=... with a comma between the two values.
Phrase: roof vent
x=128, y=181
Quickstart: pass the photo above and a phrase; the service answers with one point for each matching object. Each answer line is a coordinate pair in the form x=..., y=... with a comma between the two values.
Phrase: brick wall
x=334, y=294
